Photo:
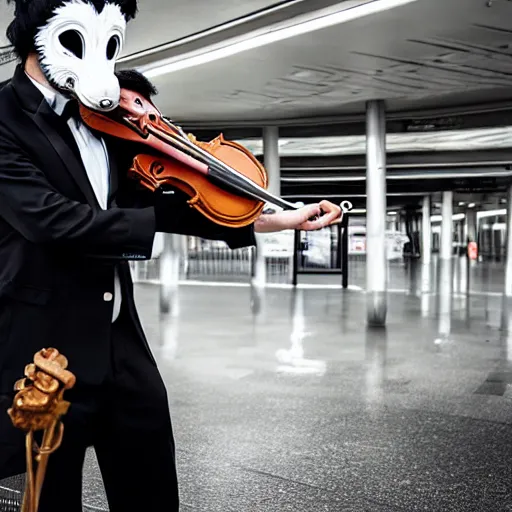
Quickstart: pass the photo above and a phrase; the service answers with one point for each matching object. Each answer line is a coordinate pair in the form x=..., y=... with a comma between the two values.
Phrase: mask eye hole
x=113, y=47
x=73, y=41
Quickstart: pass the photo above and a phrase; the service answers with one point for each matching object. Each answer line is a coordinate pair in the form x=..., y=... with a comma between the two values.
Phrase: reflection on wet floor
x=283, y=400
x=406, y=276
x=291, y=403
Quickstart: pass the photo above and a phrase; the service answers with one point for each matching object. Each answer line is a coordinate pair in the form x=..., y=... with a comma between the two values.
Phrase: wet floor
x=283, y=400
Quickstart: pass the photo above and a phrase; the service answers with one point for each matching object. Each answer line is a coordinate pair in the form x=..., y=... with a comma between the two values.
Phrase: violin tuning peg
x=346, y=206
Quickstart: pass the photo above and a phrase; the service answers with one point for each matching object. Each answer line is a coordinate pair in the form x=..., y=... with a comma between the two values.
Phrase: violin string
x=213, y=165
x=207, y=158
x=251, y=188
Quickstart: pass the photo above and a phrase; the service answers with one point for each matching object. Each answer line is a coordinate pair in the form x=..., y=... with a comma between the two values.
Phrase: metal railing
x=218, y=264
x=10, y=496
x=203, y=260
x=332, y=251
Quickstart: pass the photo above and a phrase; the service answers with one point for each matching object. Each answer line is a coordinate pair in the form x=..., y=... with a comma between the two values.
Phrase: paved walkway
x=284, y=401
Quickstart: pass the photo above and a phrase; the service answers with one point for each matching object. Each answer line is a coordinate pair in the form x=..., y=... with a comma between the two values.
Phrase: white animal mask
x=78, y=48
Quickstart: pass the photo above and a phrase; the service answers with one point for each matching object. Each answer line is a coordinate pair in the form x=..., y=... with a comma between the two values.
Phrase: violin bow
x=39, y=406
x=141, y=118
x=181, y=141
x=218, y=169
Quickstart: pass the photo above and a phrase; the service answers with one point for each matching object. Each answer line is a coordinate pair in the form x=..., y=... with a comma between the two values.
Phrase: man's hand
x=327, y=213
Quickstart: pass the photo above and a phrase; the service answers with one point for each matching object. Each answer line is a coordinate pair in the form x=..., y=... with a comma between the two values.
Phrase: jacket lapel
x=62, y=140
x=113, y=177
x=56, y=132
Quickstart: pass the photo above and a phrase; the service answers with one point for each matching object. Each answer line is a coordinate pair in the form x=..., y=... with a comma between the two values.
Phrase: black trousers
x=127, y=421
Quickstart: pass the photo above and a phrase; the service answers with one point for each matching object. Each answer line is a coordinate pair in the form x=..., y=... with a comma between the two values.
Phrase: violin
x=225, y=182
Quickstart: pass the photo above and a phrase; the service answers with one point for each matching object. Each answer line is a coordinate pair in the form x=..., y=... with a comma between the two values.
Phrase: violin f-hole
x=157, y=168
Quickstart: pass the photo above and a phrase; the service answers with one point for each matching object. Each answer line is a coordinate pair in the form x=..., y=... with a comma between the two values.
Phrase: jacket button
x=107, y=297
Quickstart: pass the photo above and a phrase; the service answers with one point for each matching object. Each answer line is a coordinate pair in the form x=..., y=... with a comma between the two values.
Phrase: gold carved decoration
x=39, y=406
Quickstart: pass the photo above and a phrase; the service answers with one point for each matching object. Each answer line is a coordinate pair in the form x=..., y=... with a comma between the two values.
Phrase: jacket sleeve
x=175, y=215
x=34, y=208
x=195, y=224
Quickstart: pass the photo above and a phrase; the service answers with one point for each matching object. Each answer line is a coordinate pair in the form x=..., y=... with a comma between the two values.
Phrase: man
x=69, y=223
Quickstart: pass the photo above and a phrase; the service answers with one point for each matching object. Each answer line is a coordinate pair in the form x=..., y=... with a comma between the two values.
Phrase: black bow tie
x=71, y=111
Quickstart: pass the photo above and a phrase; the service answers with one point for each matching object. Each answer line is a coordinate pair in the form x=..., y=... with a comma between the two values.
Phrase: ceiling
x=409, y=177
x=452, y=140
x=161, y=21
x=428, y=54
x=435, y=62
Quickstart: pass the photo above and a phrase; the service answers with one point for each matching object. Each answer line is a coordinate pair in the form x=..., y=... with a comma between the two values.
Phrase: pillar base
x=376, y=307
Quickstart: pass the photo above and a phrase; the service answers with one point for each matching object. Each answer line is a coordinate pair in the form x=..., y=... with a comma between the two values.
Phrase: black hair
x=136, y=82
x=29, y=15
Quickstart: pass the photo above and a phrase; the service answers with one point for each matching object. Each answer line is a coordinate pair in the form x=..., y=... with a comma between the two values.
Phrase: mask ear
x=128, y=8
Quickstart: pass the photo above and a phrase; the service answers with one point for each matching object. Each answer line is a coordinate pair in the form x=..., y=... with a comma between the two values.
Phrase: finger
x=310, y=210
x=325, y=220
x=327, y=205
x=330, y=218
x=307, y=214
x=332, y=212
x=312, y=225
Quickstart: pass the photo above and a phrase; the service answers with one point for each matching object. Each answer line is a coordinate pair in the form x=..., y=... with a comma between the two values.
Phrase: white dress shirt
x=95, y=159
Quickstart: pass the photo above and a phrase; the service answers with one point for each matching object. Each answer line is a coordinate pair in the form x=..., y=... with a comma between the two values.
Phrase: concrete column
x=273, y=166
x=170, y=274
x=447, y=227
x=376, y=263
x=426, y=232
x=494, y=249
x=271, y=158
x=184, y=255
x=508, y=261
x=426, y=288
x=401, y=223
x=471, y=230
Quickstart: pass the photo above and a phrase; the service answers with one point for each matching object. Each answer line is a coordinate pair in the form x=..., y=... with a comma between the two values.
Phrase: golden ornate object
x=39, y=406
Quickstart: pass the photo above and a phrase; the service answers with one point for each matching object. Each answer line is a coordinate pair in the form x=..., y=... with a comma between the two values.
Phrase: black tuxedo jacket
x=58, y=249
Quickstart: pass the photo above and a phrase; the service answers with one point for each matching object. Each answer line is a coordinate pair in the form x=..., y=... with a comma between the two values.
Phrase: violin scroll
x=346, y=206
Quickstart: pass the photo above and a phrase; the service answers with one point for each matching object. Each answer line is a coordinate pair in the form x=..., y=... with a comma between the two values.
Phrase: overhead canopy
x=231, y=65
x=424, y=54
